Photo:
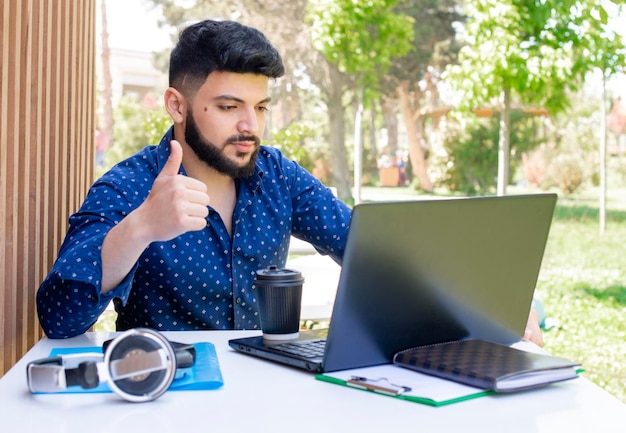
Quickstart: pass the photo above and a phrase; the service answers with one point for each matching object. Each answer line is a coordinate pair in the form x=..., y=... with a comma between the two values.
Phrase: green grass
x=582, y=284
x=106, y=322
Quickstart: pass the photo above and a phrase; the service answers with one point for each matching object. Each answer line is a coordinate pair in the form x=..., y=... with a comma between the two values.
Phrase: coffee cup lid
x=277, y=274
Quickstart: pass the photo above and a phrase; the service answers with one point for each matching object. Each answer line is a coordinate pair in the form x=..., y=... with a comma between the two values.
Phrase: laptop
x=426, y=272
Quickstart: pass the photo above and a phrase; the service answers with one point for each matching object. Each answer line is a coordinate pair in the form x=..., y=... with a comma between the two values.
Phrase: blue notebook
x=205, y=374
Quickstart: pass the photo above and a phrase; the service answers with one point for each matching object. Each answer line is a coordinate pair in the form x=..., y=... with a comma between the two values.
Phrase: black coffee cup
x=279, y=292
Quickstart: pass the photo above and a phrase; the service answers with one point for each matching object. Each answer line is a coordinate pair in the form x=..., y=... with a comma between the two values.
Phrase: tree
x=605, y=51
x=361, y=38
x=414, y=78
x=531, y=51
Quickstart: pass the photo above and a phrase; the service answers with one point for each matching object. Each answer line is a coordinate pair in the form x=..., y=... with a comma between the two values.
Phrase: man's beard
x=214, y=157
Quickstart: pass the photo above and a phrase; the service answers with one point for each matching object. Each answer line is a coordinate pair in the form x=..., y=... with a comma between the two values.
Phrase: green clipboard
x=400, y=383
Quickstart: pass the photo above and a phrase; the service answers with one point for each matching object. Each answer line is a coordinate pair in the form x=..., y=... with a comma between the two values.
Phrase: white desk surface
x=261, y=396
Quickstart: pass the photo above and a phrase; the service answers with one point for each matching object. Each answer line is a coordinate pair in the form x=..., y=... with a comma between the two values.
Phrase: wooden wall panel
x=47, y=124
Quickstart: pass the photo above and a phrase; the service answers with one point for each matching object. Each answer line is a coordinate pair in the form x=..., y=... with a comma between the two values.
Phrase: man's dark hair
x=224, y=46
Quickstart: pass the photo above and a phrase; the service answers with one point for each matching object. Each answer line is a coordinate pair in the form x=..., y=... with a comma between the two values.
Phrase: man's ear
x=175, y=104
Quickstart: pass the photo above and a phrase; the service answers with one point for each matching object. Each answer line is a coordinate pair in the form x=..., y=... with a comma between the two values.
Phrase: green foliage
x=565, y=172
x=570, y=157
x=471, y=145
x=134, y=127
x=434, y=41
x=291, y=142
x=472, y=159
x=539, y=50
x=360, y=37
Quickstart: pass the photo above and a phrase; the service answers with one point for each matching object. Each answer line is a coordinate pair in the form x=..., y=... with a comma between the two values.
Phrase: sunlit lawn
x=583, y=286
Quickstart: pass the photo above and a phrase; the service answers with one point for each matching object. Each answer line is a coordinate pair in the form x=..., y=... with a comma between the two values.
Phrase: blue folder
x=205, y=374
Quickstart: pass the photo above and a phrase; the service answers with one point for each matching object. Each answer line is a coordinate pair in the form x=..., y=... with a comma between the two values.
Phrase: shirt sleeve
x=319, y=217
x=67, y=308
x=69, y=301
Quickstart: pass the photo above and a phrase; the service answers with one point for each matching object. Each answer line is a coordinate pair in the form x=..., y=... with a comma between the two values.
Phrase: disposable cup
x=279, y=293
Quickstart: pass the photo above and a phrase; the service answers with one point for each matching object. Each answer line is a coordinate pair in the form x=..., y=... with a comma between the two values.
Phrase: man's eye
x=263, y=109
x=227, y=107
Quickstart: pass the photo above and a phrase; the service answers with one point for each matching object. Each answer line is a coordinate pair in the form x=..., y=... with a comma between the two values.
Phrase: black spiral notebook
x=486, y=365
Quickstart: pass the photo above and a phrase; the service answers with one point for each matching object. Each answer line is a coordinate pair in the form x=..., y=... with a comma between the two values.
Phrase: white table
x=260, y=396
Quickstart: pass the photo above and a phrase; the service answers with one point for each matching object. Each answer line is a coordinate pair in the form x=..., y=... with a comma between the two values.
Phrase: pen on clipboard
x=381, y=385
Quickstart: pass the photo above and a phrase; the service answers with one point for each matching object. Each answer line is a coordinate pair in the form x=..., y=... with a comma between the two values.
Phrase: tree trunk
x=391, y=123
x=603, y=168
x=339, y=159
x=414, y=135
x=358, y=146
x=373, y=150
x=504, y=143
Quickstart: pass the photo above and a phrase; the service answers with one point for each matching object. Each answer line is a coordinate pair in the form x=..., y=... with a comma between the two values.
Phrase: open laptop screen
x=424, y=272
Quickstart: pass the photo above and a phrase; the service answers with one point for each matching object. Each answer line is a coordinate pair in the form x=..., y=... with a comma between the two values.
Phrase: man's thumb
x=172, y=166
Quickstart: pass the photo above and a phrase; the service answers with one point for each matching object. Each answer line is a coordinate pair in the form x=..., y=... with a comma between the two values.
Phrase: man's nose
x=248, y=124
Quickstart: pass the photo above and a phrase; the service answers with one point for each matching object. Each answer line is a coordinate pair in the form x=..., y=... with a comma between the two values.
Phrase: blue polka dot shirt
x=201, y=279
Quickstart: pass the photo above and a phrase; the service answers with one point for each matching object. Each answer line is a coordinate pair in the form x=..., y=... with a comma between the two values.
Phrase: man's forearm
x=121, y=249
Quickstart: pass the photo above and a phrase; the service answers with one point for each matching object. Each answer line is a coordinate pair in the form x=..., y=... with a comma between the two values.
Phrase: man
x=174, y=235
x=177, y=246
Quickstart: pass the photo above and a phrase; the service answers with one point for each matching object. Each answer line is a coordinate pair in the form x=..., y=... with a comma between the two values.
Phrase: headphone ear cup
x=146, y=353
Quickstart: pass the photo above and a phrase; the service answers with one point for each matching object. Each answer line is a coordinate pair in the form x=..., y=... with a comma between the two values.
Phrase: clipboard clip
x=380, y=384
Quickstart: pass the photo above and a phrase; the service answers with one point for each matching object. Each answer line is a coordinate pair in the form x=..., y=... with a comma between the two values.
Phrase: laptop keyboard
x=306, y=348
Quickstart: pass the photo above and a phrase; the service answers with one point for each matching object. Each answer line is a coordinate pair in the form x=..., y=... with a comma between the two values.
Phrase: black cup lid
x=276, y=274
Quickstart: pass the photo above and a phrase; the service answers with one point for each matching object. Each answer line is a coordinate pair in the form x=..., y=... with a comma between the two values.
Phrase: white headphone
x=139, y=365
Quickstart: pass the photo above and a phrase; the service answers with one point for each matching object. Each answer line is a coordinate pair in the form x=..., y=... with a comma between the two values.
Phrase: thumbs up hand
x=176, y=204
x=173, y=163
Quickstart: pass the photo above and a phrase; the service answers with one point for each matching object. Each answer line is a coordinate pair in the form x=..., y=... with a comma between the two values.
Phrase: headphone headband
x=60, y=372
